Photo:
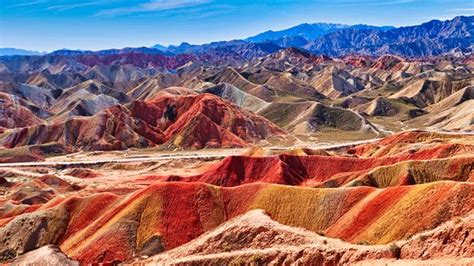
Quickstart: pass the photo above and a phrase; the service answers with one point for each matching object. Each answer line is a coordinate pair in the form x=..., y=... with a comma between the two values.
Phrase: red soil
x=369, y=213
x=84, y=210
x=83, y=173
x=186, y=121
x=388, y=62
x=436, y=145
x=107, y=227
x=359, y=61
x=298, y=170
x=39, y=190
x=13, y=114
x=204, y=120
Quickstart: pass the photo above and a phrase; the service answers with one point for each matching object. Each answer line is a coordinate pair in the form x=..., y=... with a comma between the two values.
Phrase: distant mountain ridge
x=144, y=50
x=309, y=31
x=428, y=39
x=305, y=30
x=14, y=51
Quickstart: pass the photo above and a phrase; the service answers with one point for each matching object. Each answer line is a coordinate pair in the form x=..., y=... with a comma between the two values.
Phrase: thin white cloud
x=462, y=10
x=453, y=12
x=152, y=6
x=29, y=3
x=204, y=15
x=65, y=7
x=191, y=13
x=197, y=13
x=372, y=3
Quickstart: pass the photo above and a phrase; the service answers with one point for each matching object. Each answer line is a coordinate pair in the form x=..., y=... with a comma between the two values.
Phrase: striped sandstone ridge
x=255, y=238
x=203, y=121
x=105, y=227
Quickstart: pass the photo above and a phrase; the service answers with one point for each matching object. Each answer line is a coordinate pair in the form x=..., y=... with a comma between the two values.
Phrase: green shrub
x=8, y=255
x=396, y=250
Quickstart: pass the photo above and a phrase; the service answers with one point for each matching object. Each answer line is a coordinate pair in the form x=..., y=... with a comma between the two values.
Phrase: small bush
x=226, y=247
x=331, y=184
x=457, y=220
x=8, y=255
x=396, y=250
x=258, y=259
x=238, y=262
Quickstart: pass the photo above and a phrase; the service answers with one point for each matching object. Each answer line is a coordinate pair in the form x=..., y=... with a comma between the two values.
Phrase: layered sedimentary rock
x=238, y=152
x=105, y=227
x=267, y=242
x=188, y=121
x=353, y=193
x=14, y=113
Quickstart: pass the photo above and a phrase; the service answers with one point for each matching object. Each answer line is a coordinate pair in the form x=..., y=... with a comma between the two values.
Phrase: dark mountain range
x=432, y=38
x=242, y=48
x=294, y=41
x=306, y=31
x=428, y=39
x=309, y=31
x=159, y=47
x=186, y=48
x=370, y=27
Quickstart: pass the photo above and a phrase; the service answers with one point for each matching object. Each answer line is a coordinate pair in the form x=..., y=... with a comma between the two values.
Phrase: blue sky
x=48, y=25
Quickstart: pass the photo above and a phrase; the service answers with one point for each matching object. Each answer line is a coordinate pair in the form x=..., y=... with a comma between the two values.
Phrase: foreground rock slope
x=254, y=238
x=352, y=193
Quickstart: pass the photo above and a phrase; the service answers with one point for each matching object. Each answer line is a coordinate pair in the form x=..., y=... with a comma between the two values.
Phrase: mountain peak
x=308, y=31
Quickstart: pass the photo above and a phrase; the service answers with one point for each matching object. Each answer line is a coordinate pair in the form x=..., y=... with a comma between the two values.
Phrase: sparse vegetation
x=7, y=255
x=226, y=247
x=258, y=259
x=396, y=250
x=238, y=261
x=457, y=220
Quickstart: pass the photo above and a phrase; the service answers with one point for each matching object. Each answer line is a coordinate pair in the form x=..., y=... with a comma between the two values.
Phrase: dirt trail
x=147, y=156
x=133, y=156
